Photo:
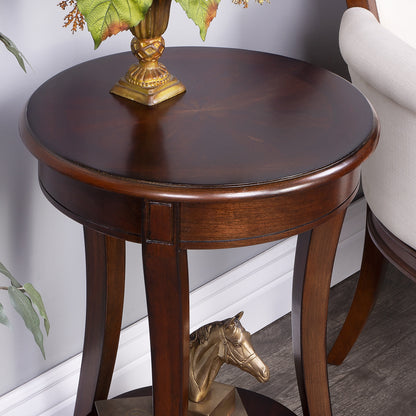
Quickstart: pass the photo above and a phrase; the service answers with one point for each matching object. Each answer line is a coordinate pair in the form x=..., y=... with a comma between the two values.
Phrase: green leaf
x=37, y=300
x=11, y=47
x=24, y=307
x=201, y=12
x=3, y=318
x=108, y=17
x=5, y=272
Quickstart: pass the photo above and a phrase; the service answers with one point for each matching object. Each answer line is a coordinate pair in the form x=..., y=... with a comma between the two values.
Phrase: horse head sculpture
x=215, y=344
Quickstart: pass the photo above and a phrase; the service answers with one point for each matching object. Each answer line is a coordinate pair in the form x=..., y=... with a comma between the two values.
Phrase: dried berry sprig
x=74, y=18
x=244, y=3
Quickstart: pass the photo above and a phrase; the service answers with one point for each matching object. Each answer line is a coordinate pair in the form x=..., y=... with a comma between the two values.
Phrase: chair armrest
x=366, y=4
x=380, y=58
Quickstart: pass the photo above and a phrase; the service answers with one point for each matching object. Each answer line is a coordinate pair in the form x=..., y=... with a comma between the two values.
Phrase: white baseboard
x=261, y=287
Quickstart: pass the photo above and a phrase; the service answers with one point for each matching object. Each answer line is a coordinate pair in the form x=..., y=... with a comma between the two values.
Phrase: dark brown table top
x=273, y=119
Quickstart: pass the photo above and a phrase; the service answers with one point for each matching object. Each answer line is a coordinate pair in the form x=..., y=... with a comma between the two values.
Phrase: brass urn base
x=151, y=95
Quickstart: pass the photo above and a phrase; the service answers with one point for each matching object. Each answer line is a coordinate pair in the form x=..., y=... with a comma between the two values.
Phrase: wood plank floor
x=379, y=375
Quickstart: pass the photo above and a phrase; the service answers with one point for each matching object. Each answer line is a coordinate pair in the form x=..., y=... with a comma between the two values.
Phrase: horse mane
x=201, y=335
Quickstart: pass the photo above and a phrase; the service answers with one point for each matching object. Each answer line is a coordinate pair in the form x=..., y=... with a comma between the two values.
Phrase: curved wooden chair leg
x=364, y=299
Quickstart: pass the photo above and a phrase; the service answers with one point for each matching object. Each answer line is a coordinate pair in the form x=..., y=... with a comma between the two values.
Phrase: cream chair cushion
x=383, y=67
x=399, y=17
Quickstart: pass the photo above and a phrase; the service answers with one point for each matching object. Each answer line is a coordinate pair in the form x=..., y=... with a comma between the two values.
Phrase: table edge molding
x=195, y=193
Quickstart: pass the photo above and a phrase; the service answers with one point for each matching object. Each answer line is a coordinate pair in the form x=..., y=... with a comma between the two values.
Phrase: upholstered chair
x=378, y=41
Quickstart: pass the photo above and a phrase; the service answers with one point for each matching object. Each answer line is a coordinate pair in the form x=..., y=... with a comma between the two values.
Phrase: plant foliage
x=11, y=47
x=24, y=299
x=201, y=12
x=109, y=17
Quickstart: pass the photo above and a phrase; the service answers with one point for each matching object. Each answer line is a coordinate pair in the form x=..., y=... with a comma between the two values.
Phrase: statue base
x=222, y=400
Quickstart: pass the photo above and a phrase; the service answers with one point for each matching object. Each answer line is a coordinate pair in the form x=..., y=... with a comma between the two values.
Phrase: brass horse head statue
x=215, y=344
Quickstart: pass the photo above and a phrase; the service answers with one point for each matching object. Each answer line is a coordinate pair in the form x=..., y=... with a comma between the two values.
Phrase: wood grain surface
x=247, y=119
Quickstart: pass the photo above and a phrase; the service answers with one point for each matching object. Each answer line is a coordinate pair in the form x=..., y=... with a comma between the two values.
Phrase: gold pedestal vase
x=148, y=81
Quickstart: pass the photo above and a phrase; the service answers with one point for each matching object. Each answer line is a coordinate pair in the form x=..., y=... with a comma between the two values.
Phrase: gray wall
x=42, y=246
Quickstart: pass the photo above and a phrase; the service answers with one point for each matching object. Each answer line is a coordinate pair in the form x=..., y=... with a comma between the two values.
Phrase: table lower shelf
x=254, y=404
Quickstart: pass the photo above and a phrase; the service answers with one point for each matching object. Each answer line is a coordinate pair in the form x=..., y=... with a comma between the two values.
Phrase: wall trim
x=261, y=287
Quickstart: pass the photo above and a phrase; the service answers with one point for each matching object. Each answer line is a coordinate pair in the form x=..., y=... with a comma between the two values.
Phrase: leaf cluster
x=24, y=299
x=109, y=17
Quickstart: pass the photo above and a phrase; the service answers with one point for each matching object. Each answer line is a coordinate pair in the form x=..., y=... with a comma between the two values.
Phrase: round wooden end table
x=260, y=147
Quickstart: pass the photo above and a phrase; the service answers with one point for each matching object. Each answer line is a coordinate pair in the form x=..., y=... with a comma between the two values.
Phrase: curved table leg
x=105, y=259
x=167, y=291
x=365, y=296
x=314, y=260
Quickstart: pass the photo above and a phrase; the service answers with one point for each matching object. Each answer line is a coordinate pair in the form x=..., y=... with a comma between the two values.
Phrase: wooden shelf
x=255, y=404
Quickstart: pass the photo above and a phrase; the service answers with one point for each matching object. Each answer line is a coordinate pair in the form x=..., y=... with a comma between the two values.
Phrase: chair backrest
x=383, y=66
x=399, y=16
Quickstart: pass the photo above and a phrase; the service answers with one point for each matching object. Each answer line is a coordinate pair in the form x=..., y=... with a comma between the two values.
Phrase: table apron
x=202, y=225
x=234, y=224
